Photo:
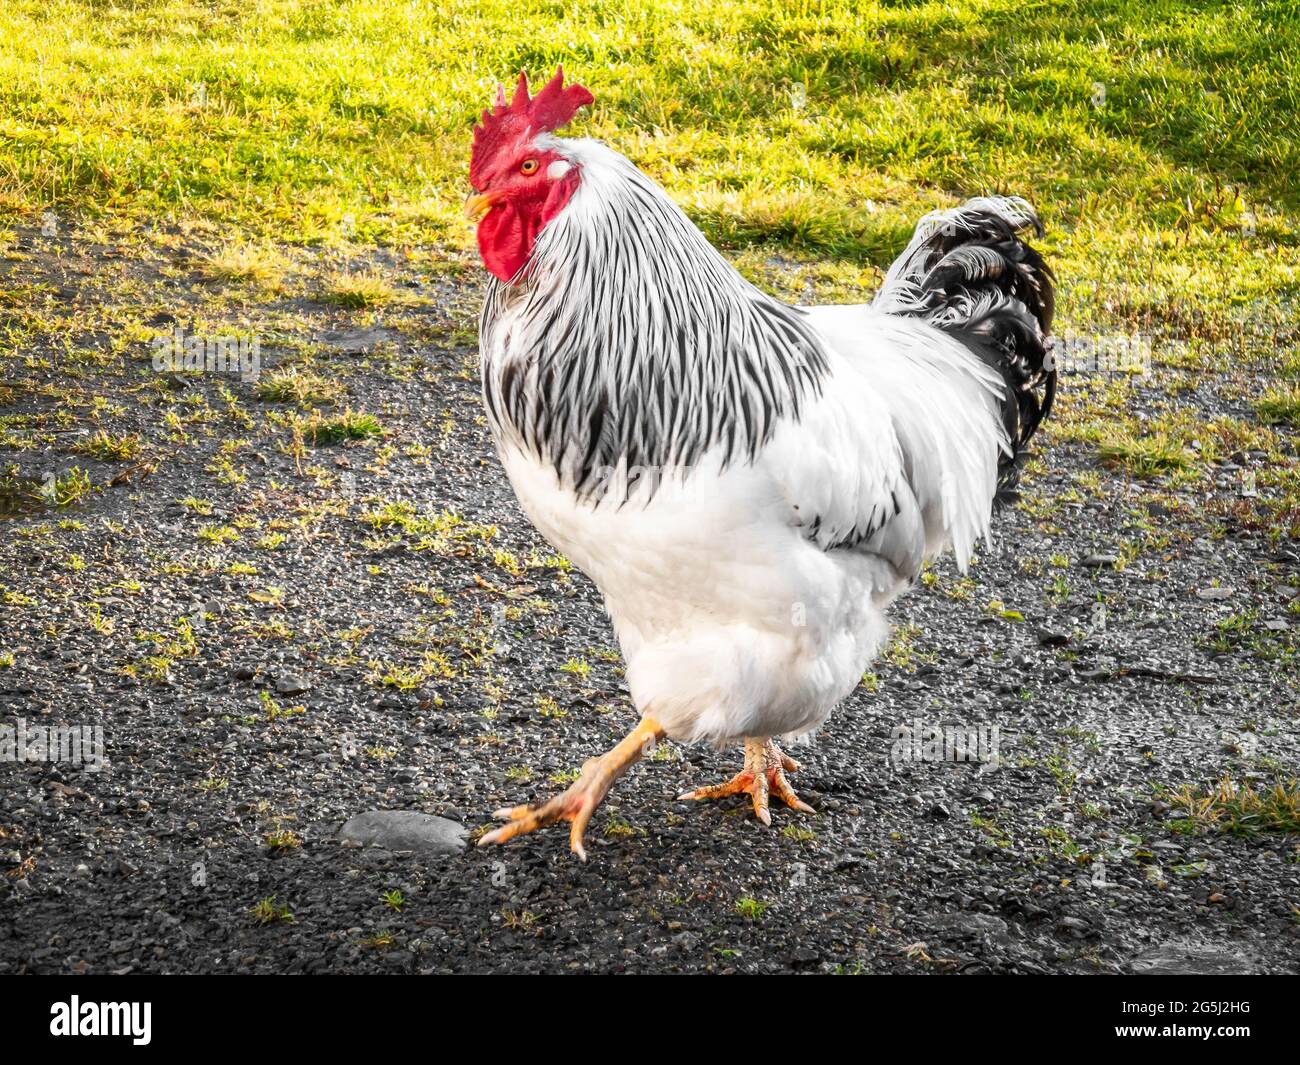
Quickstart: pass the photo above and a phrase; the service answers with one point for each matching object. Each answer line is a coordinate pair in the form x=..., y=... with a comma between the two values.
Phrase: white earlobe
x=558, y=169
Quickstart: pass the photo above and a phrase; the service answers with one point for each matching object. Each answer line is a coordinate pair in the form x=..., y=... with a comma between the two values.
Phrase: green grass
x=350, y=425
x=301, y=387
x=1144, y=457
x=1237, y=808
x=268, y=911
x=365, y=288
x=109, y=447
x=1280, y=406
x=21, y=494
x=243, y=262
x=282, y=839
x=821, y=126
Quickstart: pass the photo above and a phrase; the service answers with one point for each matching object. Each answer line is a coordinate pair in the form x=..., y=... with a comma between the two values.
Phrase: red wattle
x=505, y=240
x=507, y=233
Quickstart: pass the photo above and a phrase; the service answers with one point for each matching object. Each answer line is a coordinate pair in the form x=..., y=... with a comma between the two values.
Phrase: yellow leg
x=764, y=774
x=579, y=801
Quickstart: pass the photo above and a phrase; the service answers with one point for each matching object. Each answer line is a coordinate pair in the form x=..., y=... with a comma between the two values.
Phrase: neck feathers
x=628, y=341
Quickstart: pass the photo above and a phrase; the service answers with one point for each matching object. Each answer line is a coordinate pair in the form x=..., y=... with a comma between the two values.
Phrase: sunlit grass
x=1159, y=139
x=298, y=386
x=244, y=262
x=1236, y=807
x=110, y=447
x=364, y=288
x=1144, y=456
x=1279, y=406
x=349, y=425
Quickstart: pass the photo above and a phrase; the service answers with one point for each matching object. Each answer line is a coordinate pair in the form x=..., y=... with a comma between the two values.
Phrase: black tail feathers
x=968, y=272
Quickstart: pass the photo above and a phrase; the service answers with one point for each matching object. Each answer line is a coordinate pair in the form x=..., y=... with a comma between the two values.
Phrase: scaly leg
x=764, y=774
x=579, y=801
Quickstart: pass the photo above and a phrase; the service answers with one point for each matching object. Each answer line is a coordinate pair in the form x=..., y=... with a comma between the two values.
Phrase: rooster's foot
x=578, y=802
x=764, y=774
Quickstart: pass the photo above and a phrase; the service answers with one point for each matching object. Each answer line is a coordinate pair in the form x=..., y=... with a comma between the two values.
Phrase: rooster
x=749, y=484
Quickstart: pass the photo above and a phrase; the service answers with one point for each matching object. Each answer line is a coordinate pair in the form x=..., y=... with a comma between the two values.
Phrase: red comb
x=523, y=116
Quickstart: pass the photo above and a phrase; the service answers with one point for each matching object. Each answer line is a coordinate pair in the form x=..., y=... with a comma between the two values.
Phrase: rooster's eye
x=528, y=166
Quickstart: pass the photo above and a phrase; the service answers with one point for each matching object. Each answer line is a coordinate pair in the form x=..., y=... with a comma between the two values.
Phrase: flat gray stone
x=405, y=830
x=971, y=925
x=1052, y=638
x=1184, y=959
x=358, y=341
x=291, y=684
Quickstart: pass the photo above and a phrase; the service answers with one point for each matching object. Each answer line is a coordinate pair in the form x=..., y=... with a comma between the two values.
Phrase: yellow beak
x=479, y=205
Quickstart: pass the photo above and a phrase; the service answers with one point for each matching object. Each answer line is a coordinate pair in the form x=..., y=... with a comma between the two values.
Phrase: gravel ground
x=418, y=660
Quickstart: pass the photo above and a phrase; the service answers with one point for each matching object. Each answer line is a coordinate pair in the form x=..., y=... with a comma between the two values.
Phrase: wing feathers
x=899, y=457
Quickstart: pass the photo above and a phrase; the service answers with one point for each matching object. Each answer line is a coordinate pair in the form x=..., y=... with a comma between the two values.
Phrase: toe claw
x=575, y=845
x=782, y=790
x=801, y=806
x=579, y=827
